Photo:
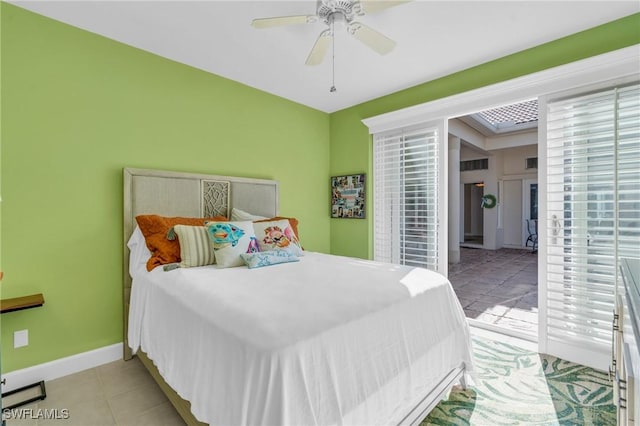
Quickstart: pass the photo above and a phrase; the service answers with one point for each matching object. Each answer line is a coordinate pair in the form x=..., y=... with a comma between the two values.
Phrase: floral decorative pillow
x=277, y=235
x=268, y=258
x=230, y=240
x=292, y=221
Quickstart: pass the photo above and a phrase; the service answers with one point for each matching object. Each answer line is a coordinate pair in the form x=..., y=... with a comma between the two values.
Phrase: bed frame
x=170, y=193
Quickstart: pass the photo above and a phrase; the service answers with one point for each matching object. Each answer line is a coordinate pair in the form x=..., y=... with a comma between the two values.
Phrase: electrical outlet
x=20, y=338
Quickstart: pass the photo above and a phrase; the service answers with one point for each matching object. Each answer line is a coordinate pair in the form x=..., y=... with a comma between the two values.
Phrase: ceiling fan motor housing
x=334, y=10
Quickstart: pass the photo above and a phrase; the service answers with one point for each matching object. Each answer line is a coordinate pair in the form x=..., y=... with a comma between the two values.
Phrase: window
x=468, y=165
x=532, y=163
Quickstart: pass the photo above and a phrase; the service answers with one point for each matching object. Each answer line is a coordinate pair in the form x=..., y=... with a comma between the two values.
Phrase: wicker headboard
x=189, y=195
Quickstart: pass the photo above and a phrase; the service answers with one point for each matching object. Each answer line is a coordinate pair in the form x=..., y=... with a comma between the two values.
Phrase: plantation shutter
x=593, y=216
x=406, y=197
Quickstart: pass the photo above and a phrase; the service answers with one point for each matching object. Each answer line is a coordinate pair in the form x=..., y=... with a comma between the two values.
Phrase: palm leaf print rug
x=515, y=386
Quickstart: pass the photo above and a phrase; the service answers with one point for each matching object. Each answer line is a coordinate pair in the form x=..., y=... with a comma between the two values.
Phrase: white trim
x=619, y=63
x=505, y=331
x=594, y=358
x=443, y=198
x=62, y=367
x=542, y=225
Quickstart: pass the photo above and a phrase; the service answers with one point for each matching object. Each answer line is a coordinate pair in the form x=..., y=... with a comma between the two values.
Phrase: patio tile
x=465, y=302
x=489, y=308
x=498, y=287
x=482, y=316
x=463, y=294
x=479, y=287
x=527, y=305
x=530, y=298
x=509, y=289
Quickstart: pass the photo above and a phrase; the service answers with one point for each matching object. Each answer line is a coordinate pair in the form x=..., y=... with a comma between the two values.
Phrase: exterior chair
x=532, y=229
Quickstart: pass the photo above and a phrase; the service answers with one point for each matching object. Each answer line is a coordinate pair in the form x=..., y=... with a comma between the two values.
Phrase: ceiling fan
x=339, y=13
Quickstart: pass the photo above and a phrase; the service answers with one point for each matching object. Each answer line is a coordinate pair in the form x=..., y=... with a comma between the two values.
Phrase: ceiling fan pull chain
x=333, y=58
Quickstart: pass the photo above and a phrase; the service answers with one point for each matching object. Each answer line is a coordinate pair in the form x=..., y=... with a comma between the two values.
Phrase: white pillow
x=237, y=214
x=230, y=240
x=277, y=235
x=139, y=254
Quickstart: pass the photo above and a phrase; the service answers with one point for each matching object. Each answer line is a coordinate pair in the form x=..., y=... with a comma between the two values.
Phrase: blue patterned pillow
x=268, y=258
x=230, y=240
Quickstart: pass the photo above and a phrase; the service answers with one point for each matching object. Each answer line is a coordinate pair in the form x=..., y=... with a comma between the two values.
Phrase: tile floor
x=123, y=393
x=118, y=393
x=498, y=287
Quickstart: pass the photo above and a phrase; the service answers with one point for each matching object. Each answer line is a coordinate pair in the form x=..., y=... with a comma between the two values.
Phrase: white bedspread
x=327, y=340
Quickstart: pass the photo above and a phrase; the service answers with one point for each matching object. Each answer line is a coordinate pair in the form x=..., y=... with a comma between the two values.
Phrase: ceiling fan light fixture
x=339, y=20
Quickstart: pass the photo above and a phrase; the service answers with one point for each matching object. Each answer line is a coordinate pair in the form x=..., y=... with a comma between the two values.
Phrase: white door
x=591, y=217
x=410, y=197
x=512, y=213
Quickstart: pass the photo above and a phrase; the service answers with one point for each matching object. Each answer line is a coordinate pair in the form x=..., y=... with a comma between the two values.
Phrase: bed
x=323, y=340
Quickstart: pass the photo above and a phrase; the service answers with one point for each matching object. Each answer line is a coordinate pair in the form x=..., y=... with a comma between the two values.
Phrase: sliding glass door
x=592, y=217
x=410, y=224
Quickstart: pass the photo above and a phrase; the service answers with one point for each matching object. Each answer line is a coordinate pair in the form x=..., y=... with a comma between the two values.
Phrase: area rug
x=515, y=386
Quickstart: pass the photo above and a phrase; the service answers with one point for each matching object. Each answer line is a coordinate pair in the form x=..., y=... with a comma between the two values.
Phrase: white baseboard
x=62, y=367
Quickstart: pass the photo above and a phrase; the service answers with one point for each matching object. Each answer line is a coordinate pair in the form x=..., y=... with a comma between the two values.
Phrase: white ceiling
x=434, y=38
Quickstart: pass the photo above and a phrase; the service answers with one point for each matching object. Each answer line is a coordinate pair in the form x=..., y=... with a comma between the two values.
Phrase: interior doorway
x=473, y=215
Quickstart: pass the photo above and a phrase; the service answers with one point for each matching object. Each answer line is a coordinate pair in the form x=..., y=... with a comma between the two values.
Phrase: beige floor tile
x=162, y=415
x=120, y=366
x=21, y=422
x=21, y=416
x=123, y=376
x=73, y=390
x=127, y=406
x=87, y=413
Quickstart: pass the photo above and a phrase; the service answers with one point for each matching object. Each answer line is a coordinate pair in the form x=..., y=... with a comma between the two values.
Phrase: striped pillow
x=195, y=246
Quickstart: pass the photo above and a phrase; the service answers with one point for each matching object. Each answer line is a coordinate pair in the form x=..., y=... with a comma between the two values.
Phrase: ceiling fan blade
x=319, y=50
x=283, y=20
x=372, y=38
x=374, y=6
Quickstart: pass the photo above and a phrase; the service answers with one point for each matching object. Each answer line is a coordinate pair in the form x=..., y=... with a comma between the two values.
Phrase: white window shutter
x=406, y=178
x=593, y=212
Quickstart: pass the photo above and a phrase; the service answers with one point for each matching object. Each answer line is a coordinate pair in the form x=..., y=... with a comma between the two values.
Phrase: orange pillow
x=155, y=229
x=292, y=221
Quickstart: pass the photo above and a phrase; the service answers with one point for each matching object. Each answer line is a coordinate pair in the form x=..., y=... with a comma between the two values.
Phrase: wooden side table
x=19, y=304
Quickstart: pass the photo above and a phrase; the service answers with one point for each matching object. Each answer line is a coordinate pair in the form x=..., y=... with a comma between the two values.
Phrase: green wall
x=77, y=108
x=351, y=147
